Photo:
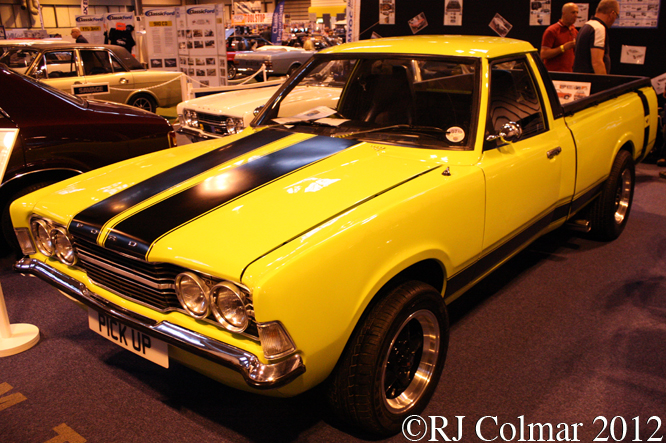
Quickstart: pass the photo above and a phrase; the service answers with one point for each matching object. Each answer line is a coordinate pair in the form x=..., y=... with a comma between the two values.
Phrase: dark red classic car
x=47, y=135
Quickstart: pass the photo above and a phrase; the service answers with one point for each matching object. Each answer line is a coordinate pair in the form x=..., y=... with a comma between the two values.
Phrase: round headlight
x=192, y=294
x=228, y=305
x=64, y=250
x=41, y=231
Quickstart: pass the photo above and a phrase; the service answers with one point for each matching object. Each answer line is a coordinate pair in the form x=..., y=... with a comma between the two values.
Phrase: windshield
x=19, y=59
x=406, y=100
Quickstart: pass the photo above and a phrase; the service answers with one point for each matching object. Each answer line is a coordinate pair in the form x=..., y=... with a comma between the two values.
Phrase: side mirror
x=257, y=110
x=509, y=133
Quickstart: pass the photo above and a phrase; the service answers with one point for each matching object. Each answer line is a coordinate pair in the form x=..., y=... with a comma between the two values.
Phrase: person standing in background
x=593, y=48
x=559, y=40
x=76, y=35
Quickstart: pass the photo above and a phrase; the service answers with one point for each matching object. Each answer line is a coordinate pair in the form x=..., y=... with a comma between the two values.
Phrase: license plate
x=129, y=338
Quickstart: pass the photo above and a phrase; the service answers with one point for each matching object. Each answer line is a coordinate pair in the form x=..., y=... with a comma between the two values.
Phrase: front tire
x=393, y=361
x=231, y=71
x=143, y=101
x=610, y=211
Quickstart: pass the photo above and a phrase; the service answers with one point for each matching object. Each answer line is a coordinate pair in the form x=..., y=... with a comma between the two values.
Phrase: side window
x=514, y=98
x=117, y=67
x=95, y=62
x=57, y=64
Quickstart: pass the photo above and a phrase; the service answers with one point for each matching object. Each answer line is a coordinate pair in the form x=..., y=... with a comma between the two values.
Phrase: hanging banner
x=84, y=7
x=161, y=37
x=278, y=24
x=453, y=12
x=222, y=34
x=353, y=20
x=119, y=30
x=92, y=27
x=250, y=19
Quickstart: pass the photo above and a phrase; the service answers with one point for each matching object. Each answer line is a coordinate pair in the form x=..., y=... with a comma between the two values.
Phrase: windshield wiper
x=409, y=128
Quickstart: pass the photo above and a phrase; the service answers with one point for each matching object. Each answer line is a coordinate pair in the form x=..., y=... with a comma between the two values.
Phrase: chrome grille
x=215, y=124
x=149, y=283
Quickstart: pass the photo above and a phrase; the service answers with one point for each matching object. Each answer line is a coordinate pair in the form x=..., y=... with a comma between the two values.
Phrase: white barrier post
x=15, y=338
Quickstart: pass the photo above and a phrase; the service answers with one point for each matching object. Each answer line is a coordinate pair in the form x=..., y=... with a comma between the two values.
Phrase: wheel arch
x=21, y=181
x=141, y=92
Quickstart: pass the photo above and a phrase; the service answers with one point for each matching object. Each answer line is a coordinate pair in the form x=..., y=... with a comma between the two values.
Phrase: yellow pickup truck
x=323, y=243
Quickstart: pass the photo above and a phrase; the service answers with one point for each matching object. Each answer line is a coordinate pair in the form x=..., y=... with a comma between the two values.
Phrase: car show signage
x=90, y=89
x=92, y=27
x=251, y=19
x=162, y=38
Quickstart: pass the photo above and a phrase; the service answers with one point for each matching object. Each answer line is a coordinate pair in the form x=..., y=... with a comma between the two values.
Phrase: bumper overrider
x=256, y=374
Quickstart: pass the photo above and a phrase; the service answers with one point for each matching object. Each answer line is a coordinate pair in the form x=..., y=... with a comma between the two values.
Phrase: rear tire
x=610, y=211
x=393, y=361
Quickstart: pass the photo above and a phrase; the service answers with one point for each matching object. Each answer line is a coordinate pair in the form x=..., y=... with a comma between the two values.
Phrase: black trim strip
x=89, y=222
x=585, y=198
x=137, y=233
x=486, y=263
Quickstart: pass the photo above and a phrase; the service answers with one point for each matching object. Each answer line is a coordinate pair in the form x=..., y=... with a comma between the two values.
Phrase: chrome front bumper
x=255, y=373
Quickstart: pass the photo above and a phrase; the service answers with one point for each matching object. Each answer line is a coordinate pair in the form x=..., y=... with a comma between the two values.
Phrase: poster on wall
x=92, y=27
x=387, y=12
x=634, y=55
x=119, y=30
x=659, y=84
x=638, y=14
x=583, y=14
x=161, y=38
x=500, y=25
x=453, y=12
x=418, y=23
x=539, y=13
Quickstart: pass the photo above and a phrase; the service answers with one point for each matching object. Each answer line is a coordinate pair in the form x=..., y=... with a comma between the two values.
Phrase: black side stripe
x=89, y=222
x=468, y=275
x=137, y=233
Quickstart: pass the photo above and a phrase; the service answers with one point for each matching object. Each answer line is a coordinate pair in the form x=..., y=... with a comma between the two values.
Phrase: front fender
x=319, y=284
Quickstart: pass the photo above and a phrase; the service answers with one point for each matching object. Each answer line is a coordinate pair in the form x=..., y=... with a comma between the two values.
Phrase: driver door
x=58, y=69
x=523, y=176
x=100, y=66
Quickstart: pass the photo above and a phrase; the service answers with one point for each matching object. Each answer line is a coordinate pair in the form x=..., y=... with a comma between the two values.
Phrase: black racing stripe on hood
x=89, y=222
x=137, y=233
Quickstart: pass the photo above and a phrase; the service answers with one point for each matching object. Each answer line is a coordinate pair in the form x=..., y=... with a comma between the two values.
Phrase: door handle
x=77, y=83
x=553, y=152
x=123, y=81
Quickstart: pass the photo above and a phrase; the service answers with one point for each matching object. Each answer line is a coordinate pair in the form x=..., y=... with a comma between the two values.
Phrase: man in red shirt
x=559, y=40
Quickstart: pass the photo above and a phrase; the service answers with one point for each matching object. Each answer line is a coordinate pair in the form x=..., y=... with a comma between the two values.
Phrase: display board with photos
x=200, y=54
x=161, y=38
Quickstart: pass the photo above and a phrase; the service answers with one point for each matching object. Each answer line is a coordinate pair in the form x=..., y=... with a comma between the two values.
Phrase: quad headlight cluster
x=226, y=301
x=189, y=118
x=234, y=125
x=52, y=240
x=229, y=305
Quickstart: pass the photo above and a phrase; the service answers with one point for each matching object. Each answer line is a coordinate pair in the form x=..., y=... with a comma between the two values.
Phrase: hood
x=225, y=207
x=234, y=104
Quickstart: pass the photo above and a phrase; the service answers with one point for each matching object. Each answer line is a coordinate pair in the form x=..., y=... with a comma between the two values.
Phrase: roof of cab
x=454, y=45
